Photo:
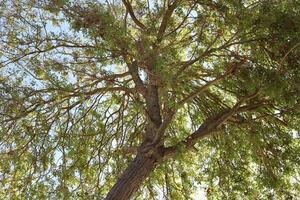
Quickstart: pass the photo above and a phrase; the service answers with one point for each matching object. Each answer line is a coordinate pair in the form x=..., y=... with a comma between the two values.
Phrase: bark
x=149, y=153
x=130, y=181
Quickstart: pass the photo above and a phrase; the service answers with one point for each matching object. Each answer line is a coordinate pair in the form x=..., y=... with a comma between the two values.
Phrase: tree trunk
x=147, y=157
x=132, y=178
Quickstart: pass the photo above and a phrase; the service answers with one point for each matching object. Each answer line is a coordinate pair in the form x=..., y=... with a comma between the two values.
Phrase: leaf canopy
x=72, y=96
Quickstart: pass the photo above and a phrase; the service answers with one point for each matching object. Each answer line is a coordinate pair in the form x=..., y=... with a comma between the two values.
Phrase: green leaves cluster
x=71, y=112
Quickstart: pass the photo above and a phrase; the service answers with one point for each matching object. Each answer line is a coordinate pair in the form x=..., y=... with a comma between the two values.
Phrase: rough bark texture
x=148, y=155
x=149, y=152
x=138, y=170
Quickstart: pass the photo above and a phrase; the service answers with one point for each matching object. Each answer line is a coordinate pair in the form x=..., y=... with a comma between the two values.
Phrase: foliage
x=74, y=78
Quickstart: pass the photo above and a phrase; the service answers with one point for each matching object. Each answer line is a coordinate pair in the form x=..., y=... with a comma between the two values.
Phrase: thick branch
x=209, y=126
x=132, y=15
x=169, y=116
x=133, y=70
x=153, y=111
x=165, y=20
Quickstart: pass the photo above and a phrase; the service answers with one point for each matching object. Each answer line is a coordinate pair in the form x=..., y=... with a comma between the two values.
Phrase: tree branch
x=165, y=20
x=202, y=89
x=208, y=51
x=132, y=15
x=209, y=126
x=133, y=70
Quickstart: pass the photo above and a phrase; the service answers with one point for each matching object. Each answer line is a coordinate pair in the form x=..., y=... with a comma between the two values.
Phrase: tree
x=149, y=99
